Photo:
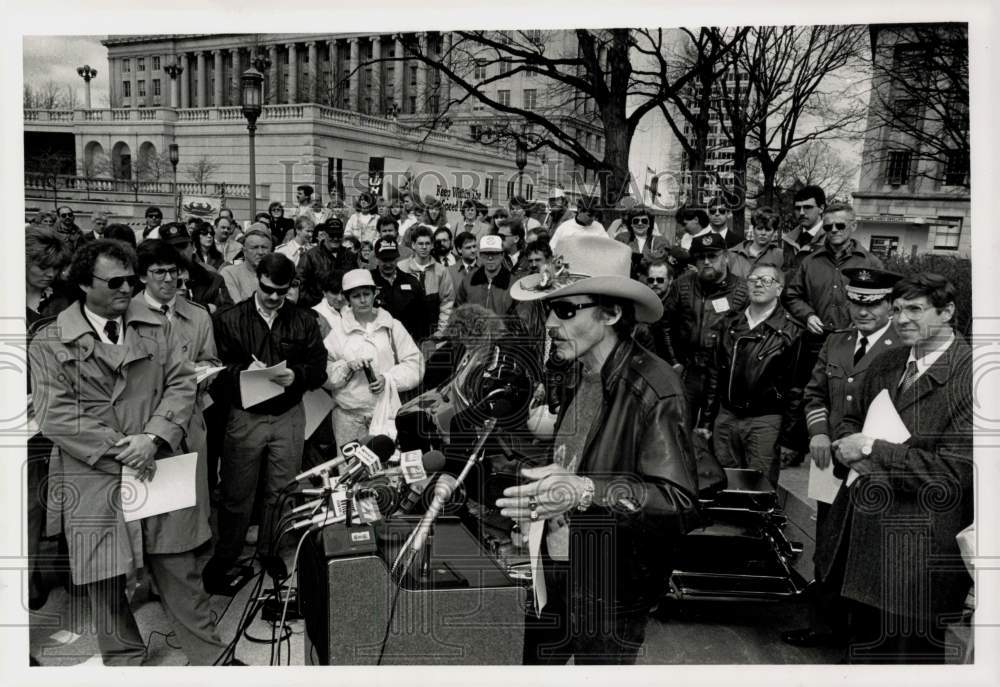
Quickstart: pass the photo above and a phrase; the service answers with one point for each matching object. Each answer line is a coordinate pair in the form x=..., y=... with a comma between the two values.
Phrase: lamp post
x=174, y=71
x=88, y=73
x=521, y=160
x=252, y=90
x=175, y=157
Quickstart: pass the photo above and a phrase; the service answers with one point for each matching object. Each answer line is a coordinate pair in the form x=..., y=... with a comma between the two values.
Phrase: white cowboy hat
x=590, y=265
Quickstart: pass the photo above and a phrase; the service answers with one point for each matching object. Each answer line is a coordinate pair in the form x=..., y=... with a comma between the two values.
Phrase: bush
x=956, y=270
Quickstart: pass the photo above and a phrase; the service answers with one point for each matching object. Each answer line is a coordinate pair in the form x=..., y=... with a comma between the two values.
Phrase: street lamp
x=174, y=71
x=88, y=73
x=252, y=89
x=175, y=157
x=521, y=160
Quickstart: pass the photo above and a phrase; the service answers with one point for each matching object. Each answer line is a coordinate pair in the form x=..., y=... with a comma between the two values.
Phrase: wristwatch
x=866, y=448
x=157, y=441
x=587, y=498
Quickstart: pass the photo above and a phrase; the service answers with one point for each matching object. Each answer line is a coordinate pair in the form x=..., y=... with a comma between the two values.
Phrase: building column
x=272, y=54
x=293, y=73
x=445, y=81
x=185, y=82
x=399, y=73
x=202, y=80
x=355, y=80
x=422, y=76
x=235, y=96
x=331, y=87
x=378, y=107
x=134, y=77
x=312, y=88
x=217, y=74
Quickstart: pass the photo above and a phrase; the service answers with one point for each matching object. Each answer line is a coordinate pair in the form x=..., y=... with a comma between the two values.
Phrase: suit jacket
x=899, y=523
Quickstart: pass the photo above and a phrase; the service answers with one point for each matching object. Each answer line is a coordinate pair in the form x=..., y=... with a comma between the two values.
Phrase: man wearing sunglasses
x=112, y=390
x=67, y=229
x=264, y=440
x=752, y=397
x=621, y=420
x=718, y=222
x=154, y=216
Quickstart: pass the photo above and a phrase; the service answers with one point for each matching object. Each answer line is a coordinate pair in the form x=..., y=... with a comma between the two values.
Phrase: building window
x=126, y=65
x=142, y=88
x=156, y=87
x=529, y=191
x=434, y=104
x=368, y=105
x=504, y=38
x=884, y=246
x=413, y=104
x=475, y=131
x=140, y=64
x=534, y=35
x=479, y=71
x=413, y=75
x=488, y=188
x=156, y=64
x=956, y=168
x=478, y=106
x=947, y=232
x=505, y=65
x=503, y=97
x=530, y=98
x=126, y=89
x=897, y=170
x=510, y=190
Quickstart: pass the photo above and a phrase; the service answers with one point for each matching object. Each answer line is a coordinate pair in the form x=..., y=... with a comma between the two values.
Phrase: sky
x=55, y=58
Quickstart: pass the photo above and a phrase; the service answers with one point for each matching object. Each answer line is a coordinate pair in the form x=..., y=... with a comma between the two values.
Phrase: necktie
x=804, y=237
x=909, y=377
x=862, y=349
x=165, y=309
x=111, y=331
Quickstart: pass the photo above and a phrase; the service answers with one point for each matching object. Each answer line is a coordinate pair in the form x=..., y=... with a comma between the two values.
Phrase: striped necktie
x=909, y=377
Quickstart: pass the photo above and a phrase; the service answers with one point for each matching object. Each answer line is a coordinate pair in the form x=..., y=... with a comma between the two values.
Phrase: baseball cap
x=707, y=243
x=386, y=249
x=175, y=234
x=491, y=244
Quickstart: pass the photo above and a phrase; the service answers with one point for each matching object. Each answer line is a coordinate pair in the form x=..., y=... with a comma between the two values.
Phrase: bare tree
x=818, y=163
x=600, y=81
x=201, y=170
x=152, y=166
x=920, y=99
x=93, y=166
x=49, y=96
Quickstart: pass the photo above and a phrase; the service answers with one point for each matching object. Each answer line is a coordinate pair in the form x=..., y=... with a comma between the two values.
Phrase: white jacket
x=350, y=341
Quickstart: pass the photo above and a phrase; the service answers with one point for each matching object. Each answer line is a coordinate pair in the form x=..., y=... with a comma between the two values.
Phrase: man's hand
x=378, y=385
x=849, y=448
x=678, y=368
x=703, y=432
x=789, y=457
x=819, y=450
x=284, y=378
x=552, y=491
x=355, y=365
x=815, y=324
x=138, y=453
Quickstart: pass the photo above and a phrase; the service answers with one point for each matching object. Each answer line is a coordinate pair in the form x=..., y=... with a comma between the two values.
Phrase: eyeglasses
x=762, y=281
x=65, y=214
x=276, y=290
x=839, y=226
x=154, y=216
x=565, y=310
x=116, y=283
x=656, y=280
x=717, y=211
x=161, y=273
x=913, y=312
x=640, y=220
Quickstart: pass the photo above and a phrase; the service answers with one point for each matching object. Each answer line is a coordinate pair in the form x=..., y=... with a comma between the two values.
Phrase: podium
x=469, y=613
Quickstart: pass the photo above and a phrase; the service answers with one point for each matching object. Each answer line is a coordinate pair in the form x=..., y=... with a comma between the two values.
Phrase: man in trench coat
x=112, y=389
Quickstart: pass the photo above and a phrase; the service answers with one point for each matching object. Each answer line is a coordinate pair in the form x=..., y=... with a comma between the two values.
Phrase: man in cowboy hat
x=622, y=463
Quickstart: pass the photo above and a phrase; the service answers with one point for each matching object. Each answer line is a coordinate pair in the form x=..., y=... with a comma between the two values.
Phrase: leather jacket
x=756, y=372
x=640, y=458
x=691, y=311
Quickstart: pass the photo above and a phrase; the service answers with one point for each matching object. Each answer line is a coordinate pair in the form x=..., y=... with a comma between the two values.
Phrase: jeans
x=748, y=442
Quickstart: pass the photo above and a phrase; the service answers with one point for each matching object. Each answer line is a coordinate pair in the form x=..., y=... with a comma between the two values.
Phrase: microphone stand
x=427, y=522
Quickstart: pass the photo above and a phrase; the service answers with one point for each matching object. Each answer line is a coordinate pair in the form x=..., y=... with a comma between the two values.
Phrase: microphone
x=414, y=468
x=442, y=492
x=389, y=491
x=321, y=469
x=381, y=445
x=318, y=521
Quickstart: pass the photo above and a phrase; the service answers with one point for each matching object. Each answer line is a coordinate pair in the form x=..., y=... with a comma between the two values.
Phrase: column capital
x=291, y=46
x=235, y=51
x=217, y=51
x=310, y=44
x=353, y=40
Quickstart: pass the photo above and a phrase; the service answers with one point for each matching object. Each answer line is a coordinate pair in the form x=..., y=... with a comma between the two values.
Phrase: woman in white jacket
x=370, y=359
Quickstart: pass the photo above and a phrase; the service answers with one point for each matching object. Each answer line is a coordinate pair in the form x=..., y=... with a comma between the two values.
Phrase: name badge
x=721, y=304
x=405, y=287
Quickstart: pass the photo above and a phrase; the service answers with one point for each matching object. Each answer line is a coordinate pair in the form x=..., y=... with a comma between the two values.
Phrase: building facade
x=909, y=200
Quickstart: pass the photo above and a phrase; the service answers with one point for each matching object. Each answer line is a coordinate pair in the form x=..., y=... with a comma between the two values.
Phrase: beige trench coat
x=87, y=396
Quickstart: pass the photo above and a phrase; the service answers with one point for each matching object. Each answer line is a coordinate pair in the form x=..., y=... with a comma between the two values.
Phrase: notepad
x=172, y=488
x=882, y=422
x=256, y=385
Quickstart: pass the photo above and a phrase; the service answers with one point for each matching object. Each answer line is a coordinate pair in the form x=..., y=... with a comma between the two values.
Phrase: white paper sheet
x=823, y=485
x=172, y=488
x=207, y=372
x=882, y=422
x=536, y=530
x=317, y=404
x=256, y=385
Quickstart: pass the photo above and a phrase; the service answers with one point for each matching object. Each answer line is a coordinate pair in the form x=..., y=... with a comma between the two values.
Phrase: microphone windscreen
x=381, y=445
x=433, y=462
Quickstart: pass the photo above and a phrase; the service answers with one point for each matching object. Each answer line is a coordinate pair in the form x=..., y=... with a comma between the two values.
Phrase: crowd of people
x=690, y=343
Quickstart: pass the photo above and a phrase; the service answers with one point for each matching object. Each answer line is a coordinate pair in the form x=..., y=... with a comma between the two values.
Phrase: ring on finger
x=533, y=515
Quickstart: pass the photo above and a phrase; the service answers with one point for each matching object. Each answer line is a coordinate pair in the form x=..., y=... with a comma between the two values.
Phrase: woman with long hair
x=205, y=251
x=363, y=223
x=637, y=234
x=434, y=214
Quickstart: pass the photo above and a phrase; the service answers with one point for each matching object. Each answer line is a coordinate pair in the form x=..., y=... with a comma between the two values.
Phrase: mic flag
x=411, y=464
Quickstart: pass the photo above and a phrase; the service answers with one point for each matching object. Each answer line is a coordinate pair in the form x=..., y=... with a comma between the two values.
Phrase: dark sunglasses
x=717, y=211
x=277, y=290
x=656, y=280
x=640, y=220
x=565, y=310
x=116, y=283
x=154, y=216
x=65, y=214
x=840, y=226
